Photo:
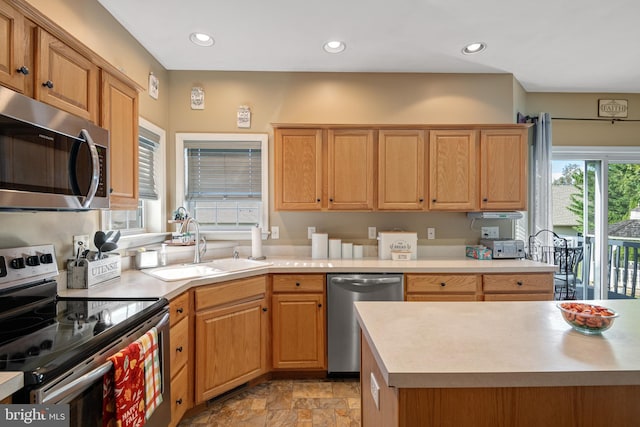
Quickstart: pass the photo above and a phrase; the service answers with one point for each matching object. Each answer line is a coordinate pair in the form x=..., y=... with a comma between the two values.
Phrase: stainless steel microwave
x=49, y=159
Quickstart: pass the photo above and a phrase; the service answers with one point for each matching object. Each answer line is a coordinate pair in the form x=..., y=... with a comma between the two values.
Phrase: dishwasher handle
x=359, y=281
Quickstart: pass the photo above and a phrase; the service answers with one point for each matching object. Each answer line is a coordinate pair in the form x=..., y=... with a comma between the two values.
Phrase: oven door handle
x=66, y=393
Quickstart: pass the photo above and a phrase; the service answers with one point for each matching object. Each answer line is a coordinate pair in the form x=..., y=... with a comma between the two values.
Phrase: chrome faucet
x=197, y=256
x=236, y=254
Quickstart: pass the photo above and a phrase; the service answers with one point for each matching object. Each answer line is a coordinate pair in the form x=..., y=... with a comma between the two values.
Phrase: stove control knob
x=17, y=263
x=33, y=261
x=46, y=258
x=46, y=344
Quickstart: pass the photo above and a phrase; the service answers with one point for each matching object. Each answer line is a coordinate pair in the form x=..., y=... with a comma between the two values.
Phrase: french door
x=599, y=190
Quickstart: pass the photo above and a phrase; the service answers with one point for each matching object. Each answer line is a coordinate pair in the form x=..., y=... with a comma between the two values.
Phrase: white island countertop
x=498, y=344
x=10, y=382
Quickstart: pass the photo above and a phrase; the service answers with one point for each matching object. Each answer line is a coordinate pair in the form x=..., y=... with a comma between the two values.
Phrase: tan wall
x=341, y=98
x=585, y=105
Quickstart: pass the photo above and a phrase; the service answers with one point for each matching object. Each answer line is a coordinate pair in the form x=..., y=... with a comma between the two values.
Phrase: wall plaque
x=612, y=108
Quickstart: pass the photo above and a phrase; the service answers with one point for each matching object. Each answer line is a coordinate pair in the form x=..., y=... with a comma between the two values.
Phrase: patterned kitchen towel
x=153, y=379
x=123, y=389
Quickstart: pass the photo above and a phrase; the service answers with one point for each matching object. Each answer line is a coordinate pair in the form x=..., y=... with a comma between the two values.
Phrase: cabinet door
x=350, y=171
x=65, y=79
x=401, y=163
x=298, y=174
x=120, y=117
x=503, y=169
x=230, y=347
x=12, y=49
x=298, y=331
x=452, y=170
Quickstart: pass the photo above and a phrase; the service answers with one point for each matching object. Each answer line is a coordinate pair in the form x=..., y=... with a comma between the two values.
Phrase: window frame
x=262, y=138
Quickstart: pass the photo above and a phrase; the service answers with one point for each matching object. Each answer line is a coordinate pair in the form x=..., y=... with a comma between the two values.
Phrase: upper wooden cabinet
x=453, y=170
x=503, y=169
x=120, y=116
x=298, y=169
x=65, y=78
x=401, y=169
x=350, y=170
x=459, y=168
x=14, y=71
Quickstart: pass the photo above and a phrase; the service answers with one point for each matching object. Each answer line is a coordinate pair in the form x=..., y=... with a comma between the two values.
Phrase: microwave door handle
x=66, y=393
x=95, y=174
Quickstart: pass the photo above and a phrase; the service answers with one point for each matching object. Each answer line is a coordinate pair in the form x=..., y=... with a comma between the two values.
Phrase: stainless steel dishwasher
x=343, y=332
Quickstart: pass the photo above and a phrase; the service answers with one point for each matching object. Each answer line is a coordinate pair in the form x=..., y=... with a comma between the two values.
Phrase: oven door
x=82, y=389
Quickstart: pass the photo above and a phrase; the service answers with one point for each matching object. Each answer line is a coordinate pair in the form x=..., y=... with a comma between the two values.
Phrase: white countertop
x=135, y=284
x=498, y=344
x=10, y=382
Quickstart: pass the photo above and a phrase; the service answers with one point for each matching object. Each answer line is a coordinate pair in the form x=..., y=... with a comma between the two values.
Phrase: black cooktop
x=61, y=332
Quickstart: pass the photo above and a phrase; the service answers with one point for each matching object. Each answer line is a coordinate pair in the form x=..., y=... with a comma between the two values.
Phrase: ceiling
x=548, y=45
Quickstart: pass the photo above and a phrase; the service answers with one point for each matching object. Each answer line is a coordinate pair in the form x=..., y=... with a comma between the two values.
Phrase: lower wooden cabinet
x=180, y=357
x=231, y=335
x=517, y=287
x=299, y=322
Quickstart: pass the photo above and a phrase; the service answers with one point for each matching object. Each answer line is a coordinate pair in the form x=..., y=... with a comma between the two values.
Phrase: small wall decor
x=612, y=108
x=154, y=85
x=197, y=98
x=244, y=117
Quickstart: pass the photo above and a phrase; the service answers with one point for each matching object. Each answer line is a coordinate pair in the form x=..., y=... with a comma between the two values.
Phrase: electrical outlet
x=375, y=391
x=275, y=232
x=310, y=231
x=372, y=232
x=490, y=232
x=431, y=233
x=80, y=243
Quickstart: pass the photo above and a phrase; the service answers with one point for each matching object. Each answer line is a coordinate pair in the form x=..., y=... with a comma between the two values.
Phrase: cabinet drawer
x=179, y=336
x=179, y=396
x=298, y=283
x=534, y=296
x=238, y=290
x=443, y=283
x=179, y=308
x=517, y=283
x=444, y=297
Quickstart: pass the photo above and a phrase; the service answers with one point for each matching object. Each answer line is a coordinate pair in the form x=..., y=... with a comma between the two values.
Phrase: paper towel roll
x=358, y=251
x=335, y=248
x=319, y=245
x=347, y=250
x=256, y=242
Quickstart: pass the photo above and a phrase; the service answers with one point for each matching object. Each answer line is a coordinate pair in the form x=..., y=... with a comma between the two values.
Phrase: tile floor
x=286, y=403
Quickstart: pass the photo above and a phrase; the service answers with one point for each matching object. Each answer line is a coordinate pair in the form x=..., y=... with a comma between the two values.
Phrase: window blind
x=223, y=173
x=148, y=145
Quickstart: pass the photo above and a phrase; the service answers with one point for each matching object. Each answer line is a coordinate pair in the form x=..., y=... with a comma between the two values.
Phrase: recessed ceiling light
x=475, y=47
x=334, y=46
x=201, y=39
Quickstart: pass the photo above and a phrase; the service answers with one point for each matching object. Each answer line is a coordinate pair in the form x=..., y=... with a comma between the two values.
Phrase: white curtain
x=540, y=208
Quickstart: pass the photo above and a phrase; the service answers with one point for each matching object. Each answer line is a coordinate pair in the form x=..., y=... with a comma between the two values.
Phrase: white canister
x=319, y=245
x=358, y=251
x=335, y=248
x=347, y=250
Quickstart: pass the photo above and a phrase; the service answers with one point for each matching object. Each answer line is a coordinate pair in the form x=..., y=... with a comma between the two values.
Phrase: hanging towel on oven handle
x=123, y=389
x=153, y=378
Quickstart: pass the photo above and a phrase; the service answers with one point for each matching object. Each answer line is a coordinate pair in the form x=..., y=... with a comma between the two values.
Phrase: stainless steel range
x=62, y=344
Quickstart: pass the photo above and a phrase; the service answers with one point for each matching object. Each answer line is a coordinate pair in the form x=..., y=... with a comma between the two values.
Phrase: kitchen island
x=496, y=364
